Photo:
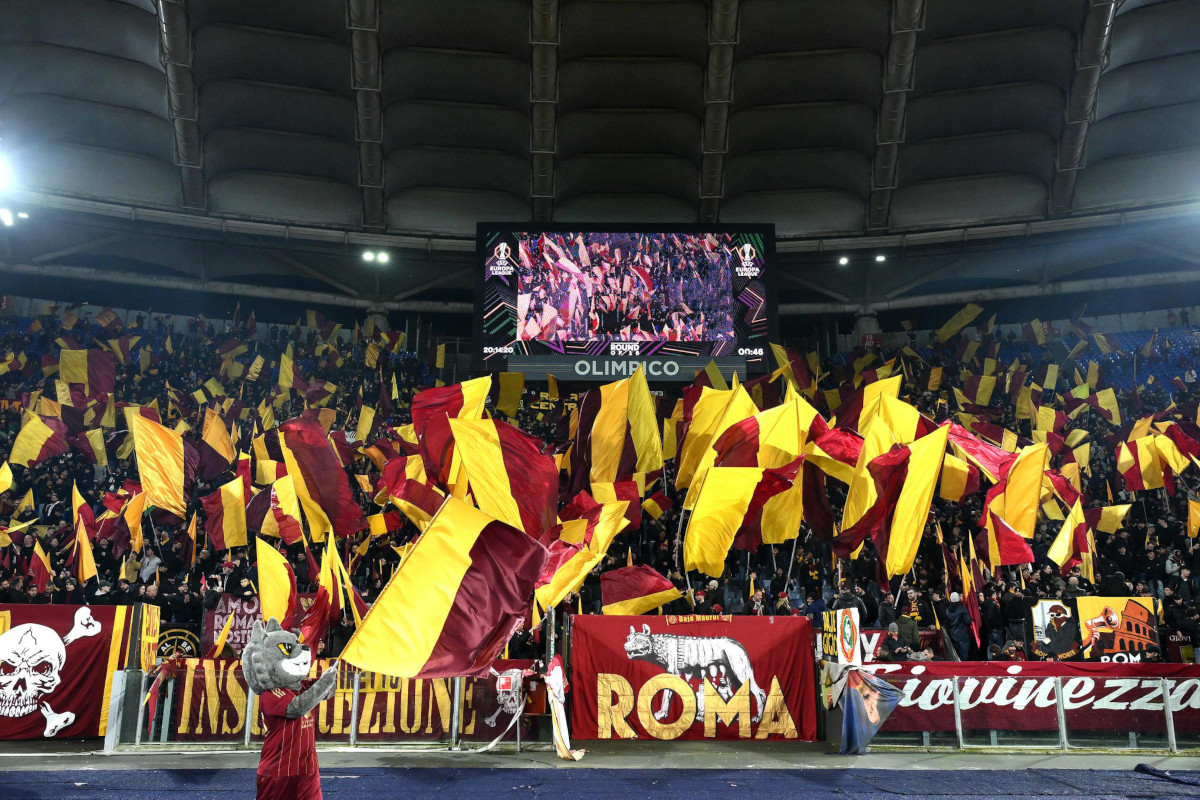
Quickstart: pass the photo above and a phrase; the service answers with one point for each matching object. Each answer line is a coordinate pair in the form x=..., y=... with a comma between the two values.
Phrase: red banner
x=210, y=706
x=56, y=666
x=670, y=677
x=245, y=612
x=1021, y=696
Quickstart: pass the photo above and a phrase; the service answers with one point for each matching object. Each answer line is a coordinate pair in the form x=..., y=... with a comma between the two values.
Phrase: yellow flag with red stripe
x=453, y=602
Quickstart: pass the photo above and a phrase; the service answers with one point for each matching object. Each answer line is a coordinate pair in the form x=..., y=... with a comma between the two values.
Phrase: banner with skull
x=56, y=664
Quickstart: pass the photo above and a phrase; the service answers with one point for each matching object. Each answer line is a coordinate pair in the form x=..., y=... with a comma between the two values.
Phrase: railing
x=207, y=703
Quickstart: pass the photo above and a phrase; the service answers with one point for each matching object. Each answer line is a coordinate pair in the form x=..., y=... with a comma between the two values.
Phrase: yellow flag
x=132, y=513
x=512, y=387
x=1064, y=544
x=959, y=321
x=6, y=477
x=366, y=418
x=219, y=645
x=721, y=506
x=912, y=508
x=160, y=464
x=713, y=413
x=85, y=561
x=643, y=424
x=274, y=585
x=1193, y=518
x=714, y=376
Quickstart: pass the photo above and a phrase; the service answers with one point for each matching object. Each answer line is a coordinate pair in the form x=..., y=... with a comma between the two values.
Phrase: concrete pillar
x=379, y=314
x=867, y=324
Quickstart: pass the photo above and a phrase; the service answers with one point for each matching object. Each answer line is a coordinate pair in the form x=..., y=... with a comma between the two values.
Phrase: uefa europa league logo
x=747, y=254
x=501, y=254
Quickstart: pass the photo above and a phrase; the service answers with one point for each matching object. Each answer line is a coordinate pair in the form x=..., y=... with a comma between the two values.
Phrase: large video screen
x=681, y=296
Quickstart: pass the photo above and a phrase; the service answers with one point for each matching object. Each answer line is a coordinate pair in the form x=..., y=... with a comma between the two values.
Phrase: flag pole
x=792, y=561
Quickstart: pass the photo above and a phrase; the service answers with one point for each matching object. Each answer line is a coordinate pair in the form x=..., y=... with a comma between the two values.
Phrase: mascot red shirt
x=275, y=664
x=289, y=754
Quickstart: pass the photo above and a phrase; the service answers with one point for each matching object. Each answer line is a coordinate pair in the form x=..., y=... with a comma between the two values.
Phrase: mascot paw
x=327, y=683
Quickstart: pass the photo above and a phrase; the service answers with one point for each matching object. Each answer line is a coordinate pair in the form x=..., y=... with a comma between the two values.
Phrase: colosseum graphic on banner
x=1094, y=629
x=669, y=677
x=56, y=664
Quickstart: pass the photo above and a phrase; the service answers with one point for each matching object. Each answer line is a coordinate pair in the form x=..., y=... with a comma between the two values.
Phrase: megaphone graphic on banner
x=1105, y=619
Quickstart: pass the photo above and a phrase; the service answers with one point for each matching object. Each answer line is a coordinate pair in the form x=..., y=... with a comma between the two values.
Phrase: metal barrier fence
x=208, y=703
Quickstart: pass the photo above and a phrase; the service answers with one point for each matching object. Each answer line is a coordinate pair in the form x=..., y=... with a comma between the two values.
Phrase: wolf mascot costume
x=276, y=665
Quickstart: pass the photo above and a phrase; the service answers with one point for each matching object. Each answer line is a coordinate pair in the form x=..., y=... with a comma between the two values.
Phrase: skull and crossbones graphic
x=508, y=693
x=32, y=657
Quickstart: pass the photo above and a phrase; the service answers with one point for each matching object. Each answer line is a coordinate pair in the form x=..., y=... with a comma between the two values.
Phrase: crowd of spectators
x=1151, y=555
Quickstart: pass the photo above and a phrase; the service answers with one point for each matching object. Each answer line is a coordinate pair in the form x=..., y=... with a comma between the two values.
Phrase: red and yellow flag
x=216, y=448
x=572, y=557
x=454, y=602
x=657, y=504
x=39, y=567
x=731, y=499
x=226, y=516
x=512, y=387
x=912, y=508
x=40, y=438
x=431, y=410
x=95, y=370
x=960, y=320
x=132, y=515
x=635, y=590
x=509, y=476
x=319, y=479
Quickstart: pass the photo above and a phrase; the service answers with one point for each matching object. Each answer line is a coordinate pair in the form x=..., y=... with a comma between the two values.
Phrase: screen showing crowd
x=701, y=292
x=626, y=287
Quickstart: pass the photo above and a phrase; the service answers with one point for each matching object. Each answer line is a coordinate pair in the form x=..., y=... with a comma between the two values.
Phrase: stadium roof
x=267, y=142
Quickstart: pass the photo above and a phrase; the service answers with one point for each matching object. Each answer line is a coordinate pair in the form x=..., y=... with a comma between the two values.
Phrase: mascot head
x=274, y=658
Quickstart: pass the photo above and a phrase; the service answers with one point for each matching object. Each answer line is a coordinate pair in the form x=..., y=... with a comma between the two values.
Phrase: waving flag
x=729, y=500
x=166, y=464
x=431, y=410
x=290, y=376
x=226, y=516
x=95, y=370
x=40, y=438
x=40, y=571
x=714, y=413
x=569, y=563
x=215, y=448
x=510, y=477
x=912, y=508
x=635, y=590
x=276, y=586
x=657, y=504
x=458, y=596
x=960, y=320
x=318, y=476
